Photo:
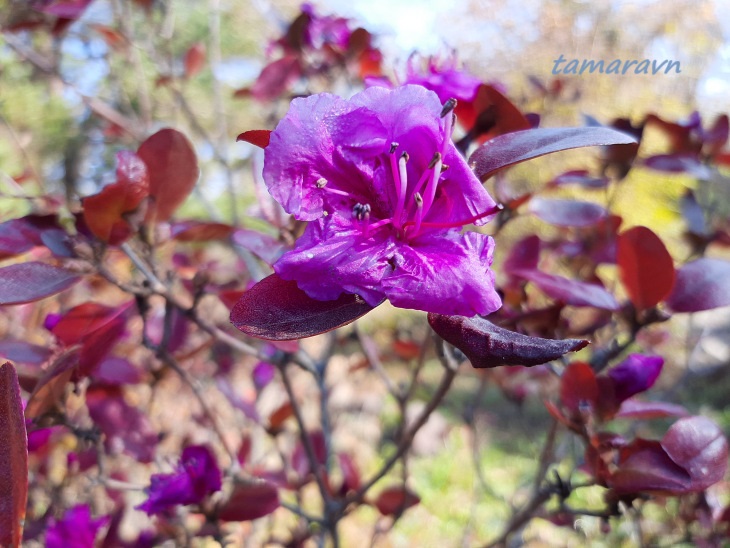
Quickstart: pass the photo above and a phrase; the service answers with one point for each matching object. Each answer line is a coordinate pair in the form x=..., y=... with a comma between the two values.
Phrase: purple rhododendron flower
x=196, y=477
x=635, y=374
x=443, y=77
x=386, y=193
x=75, y=530
x=326, y=29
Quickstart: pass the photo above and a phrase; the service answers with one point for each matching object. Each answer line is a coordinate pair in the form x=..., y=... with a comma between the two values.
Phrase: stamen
x=321, y=182
x=449, y=106
x=401, y=188
x=430, y=192
x=419, y=213
x=361, y=212
x=447, y=133
x=393, y=147
x=336, y=191
x=496, y=209
x=376, y=226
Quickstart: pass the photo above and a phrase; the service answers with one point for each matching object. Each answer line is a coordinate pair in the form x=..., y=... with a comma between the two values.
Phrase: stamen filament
x=419, y=214
x=430, y=192
x=496, y=209
x=401, y=188
x=336, y=191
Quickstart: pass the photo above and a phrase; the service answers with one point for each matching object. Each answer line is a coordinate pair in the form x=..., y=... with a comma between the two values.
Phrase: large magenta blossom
x=386, y=193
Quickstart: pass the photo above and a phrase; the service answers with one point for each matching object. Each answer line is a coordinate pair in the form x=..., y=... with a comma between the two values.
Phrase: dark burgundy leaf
x=635, y=409
x=579, y=177
x=20, y=235
x=394, y=500
x=645, y=266
x=677, y=163
x=33, y=281
x=124, y=427
x=258, y=137
x=194, y=60
x=636, y=374
x=276, y=77
x=578, y=387
x=513, y=148
x=698, y=445
x=645, y=466
x=115, y=371
x=487, y=345
x=173, y=171
x=525, y=254
x=250, y=501
x=276, y=309
x=13, y=459
x=300, y=459
x=350, y=475
x=567, y=212
x=701, y=285
x=23, y=352
x=570, y=292
x=66, y=9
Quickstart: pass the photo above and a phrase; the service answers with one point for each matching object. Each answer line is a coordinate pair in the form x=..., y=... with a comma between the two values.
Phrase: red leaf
x=276, y=309
x=13, y=459
x=112, y=37
x=570, y=292
x=20, y=235
x=395, y=500
x=277, y=418
x=701, y=285
x=578, y=387
x=249, y=501
x=196, y=231
x=645, y=266
x=513, y=148
x=698, y=445
x=258, y=137
x=49, y=390
x=66, y=9
x=95, y=327
x=194, y=59
x=567, y=212
x=645, y=466
x=33, y=281
x=300, y=459
x=107, y=213
x=525, y=254
x=173, y=171
x=487, y=345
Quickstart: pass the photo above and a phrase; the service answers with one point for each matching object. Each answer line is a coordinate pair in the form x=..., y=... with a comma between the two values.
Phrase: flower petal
x=304, y=149
x=446, y=273
x=333, y=256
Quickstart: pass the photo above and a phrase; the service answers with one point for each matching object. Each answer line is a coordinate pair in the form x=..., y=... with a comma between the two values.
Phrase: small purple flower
x=637, y=373
x=443, y=77
x=75, y=530
x=386, y=193
x=196, y=477
x=263, y=374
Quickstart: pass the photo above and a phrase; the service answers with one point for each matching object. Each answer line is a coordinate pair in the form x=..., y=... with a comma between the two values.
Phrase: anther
x=436, y=159
x=393, y=147
x=405, y=156
x=449, y=106
x=321, y=182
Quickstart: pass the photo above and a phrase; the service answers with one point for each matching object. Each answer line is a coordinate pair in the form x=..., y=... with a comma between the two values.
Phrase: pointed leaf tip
x=277, y=310
x=487, y=345
x=258, y=137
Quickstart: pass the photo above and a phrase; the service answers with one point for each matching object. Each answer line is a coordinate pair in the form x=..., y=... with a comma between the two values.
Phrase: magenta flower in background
x=636, y=374
x=197, y=476
x=75, y=530
x=442, y=77
x=386, y=193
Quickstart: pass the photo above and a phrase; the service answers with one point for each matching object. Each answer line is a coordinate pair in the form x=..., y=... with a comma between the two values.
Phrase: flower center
x=412, y=205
